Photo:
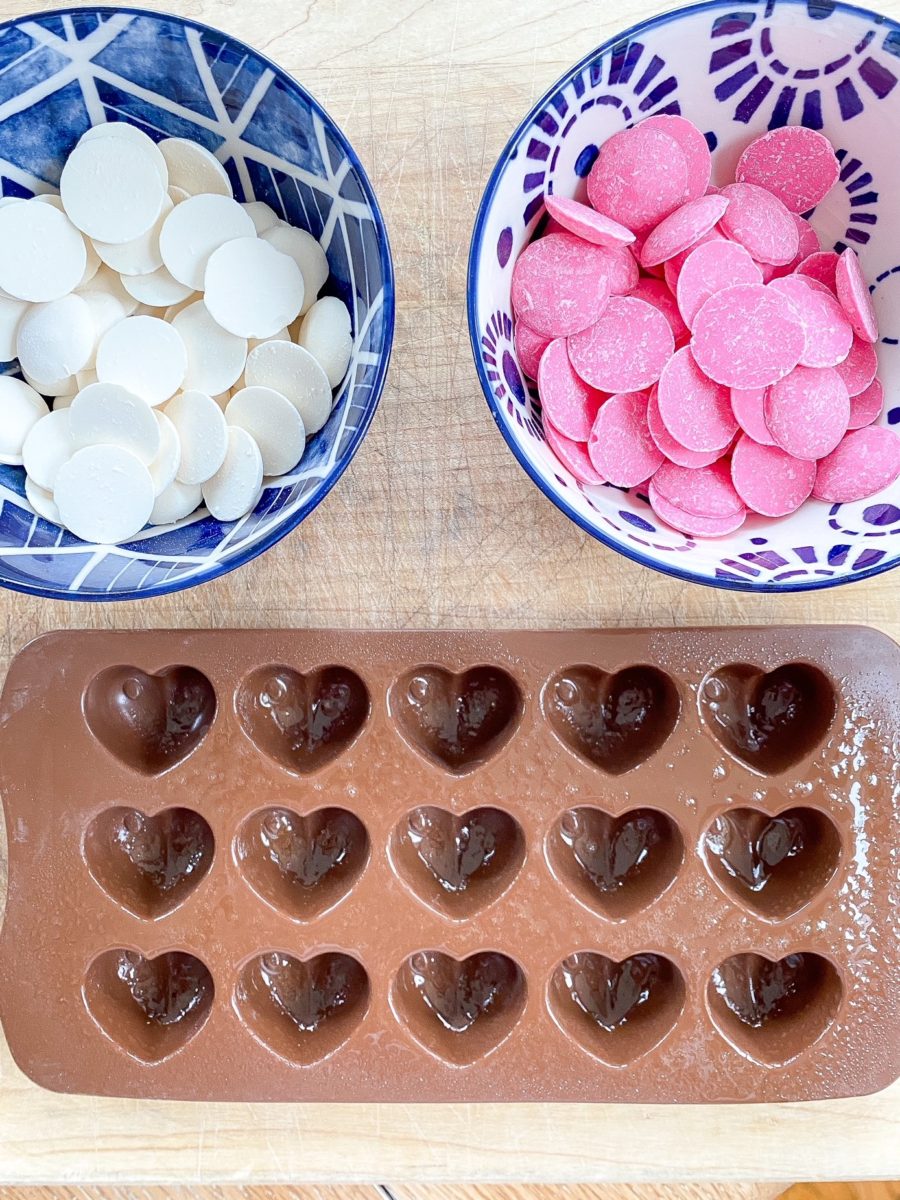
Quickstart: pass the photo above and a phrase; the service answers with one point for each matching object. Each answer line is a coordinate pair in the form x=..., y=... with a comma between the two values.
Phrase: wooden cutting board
x=434, y=524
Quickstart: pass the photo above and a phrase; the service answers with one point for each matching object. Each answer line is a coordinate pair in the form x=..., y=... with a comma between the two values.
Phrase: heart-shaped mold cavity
x=457, y=721
x=303, y=722
x=460, y=1011
x=150, y=722
x=151, y=1007
x=458, y=864
x=303, y=1010
x=615, y=866
x=616, y=1011
x=149, y=865
x=768, y=721
x=773, y=864
x=615, y=721
x=302, y=866
x=774, y=1010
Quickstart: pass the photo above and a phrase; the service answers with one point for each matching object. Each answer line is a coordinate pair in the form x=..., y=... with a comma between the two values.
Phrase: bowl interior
x=735, y=73
x=67, y=70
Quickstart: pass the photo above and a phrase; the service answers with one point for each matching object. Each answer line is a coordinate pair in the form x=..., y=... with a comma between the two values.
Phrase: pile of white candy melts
x=176, y=330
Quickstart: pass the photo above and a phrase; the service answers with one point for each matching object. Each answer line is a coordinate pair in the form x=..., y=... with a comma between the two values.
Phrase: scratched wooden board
x=434, y=525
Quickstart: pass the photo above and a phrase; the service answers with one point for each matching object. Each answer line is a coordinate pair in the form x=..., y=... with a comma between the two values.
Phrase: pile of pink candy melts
x=697, y=340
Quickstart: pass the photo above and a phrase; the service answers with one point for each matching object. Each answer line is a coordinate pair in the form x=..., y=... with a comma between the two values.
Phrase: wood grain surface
x=434, y=524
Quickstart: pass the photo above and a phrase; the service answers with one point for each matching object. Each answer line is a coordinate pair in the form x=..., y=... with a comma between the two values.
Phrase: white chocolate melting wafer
x=215, y=357
x=274, y=424
x=175, y=503
x=203, y=434
x=49, y=444
x=193, y=168
x=56, y=339
x=111, y=189
x=326, y=333
x=294, y=372
x=104, y=494
x=251, y=289
x=21, y=407
x=144, y=355
x=42, y=254
x=106, y=414
x=306, y=253
x=232, y=491
x=197, y=227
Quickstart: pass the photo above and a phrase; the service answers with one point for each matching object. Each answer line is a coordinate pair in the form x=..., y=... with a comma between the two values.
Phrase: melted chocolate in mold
x=457, y=721
x=303, y=865
x=150, y=722
x=769, y=721
x=302, y=721
x=614, y=721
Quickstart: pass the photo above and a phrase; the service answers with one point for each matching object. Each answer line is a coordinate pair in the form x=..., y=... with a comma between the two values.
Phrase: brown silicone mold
x=602, y=866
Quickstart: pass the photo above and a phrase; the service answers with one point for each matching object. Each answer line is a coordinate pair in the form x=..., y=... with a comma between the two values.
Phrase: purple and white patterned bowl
x=735, y=71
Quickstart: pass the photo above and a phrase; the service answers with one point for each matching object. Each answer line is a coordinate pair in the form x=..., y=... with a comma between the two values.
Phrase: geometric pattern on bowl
x=70, y=69
x=736, y=72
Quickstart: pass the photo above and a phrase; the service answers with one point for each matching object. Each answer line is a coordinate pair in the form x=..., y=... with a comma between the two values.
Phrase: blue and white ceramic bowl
x=66, y=70
x=736, y=71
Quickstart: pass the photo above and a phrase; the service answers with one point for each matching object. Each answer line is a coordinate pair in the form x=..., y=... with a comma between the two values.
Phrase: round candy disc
x=572, y=455
x=49, y=444
x=860, y=366
x=164, y=467
x=104, y=494
x=694, y=147
x=828, y=332
x=655, y=292
x=682, y=229
x=809, y=244
x=144, y=355
x=808, y=412
x=21, y=407
x=215, y=357
x=11, y=313
x=622, y=269
x=560, y=285
x=568, y=402
x=130, y=133
x=620, y=446
x=672, y=449
x=326, y=332
x=56, y=339
x=691, y=523
x=853, y=293
x=761, y=223
x=263, y=216
x=769, y=481
x=111, y=189
x=640, y=176
x=193, y=168
x=529, y=348
x=749, y=408
x=867, y=406
x=796, y=164
x=42, y=254
x=251, y=289
x=626, y=349
x=293, y=372
x=197, y=227
x=306, y=252
x=41, y=501
x=273, y=423
x=234, y=488
x=157, y=288
x=747, y=337
x=710, y=268
x=865, y=462
x=109, y=415
x=705, y=491
x=696, y=411
x=175, y=503
x=821, y=266
x=203, y=433
x=585, y=223
x=139, y=256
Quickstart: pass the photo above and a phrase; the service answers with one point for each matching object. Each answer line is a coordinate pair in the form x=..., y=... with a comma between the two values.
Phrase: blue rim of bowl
x=731, y=585
x=387, y=266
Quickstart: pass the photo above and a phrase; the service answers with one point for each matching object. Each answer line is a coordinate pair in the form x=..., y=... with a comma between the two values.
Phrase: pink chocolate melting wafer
x=747, y=337
x=694, y=147
x=709, y=269
x=828, y=332
x=691, y=523
x=640, y=176
x=866, y=462
x=529, y=348
x=696, y=411
x=683, y=229
x=655, y=292
x=620, y=446
x=761, y=223
x=868, y=406
x=808, y=412
x=853, y=293
x=769, y=481
x=821, y=266
x=585, y=222
x=749, y=409
x=672, y=449
x=860, y=366
x=796, y=164
x=572, y=455
x=570, y=404
x=626, y=349
x=560, y=285
x=706, y=491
